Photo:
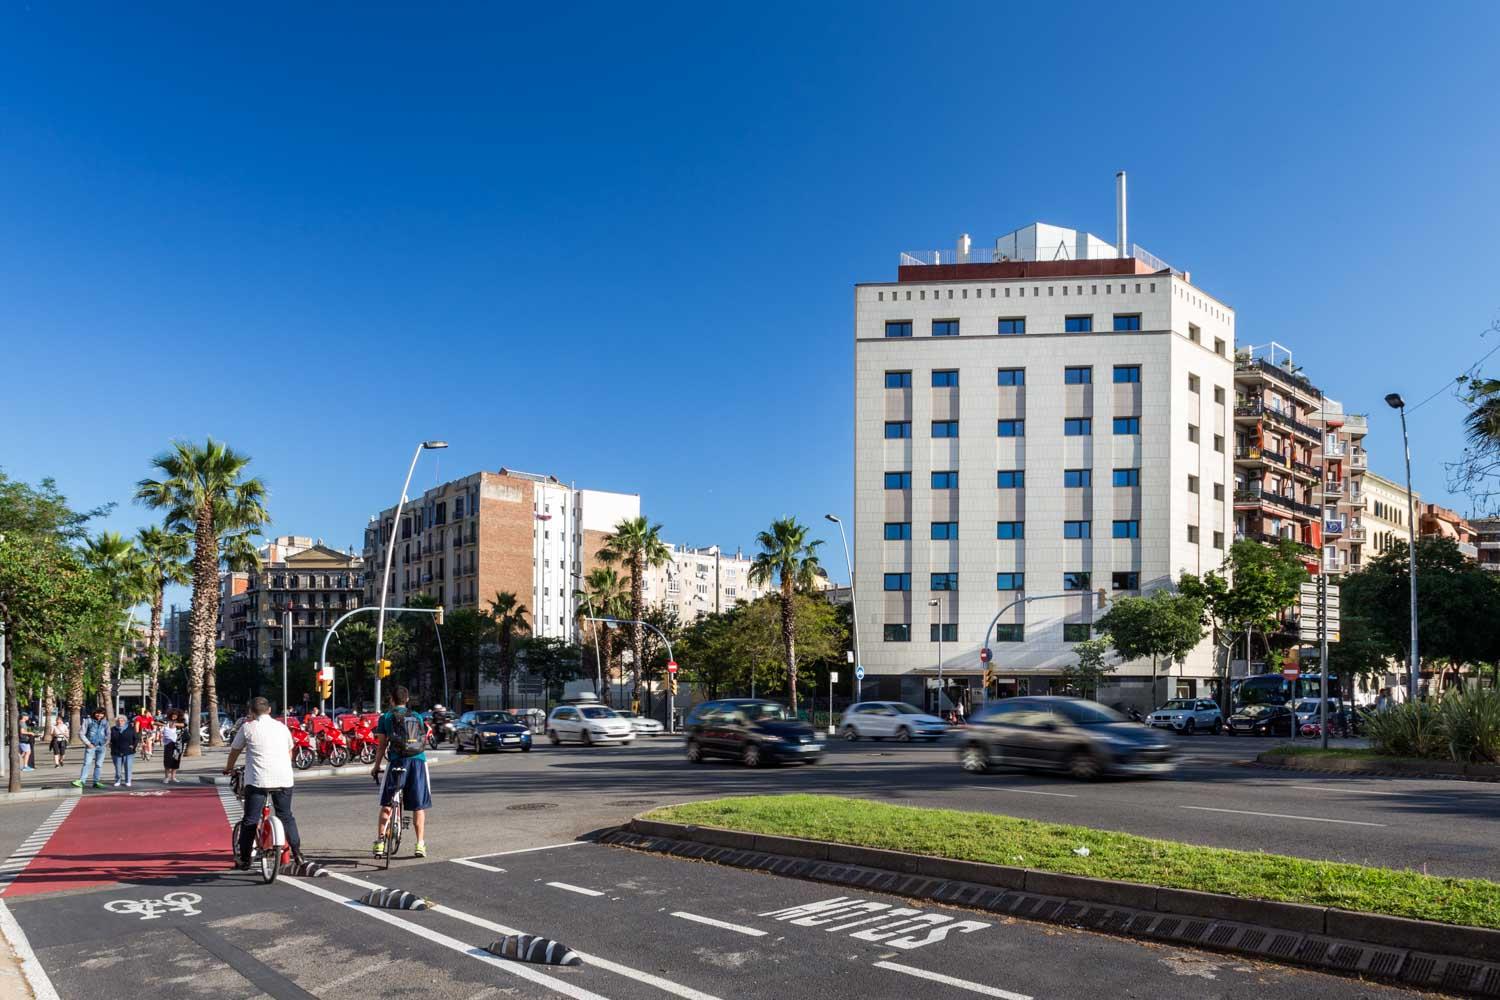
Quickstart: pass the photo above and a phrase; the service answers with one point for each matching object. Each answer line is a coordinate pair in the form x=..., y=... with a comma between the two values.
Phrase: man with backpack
x=402, y=736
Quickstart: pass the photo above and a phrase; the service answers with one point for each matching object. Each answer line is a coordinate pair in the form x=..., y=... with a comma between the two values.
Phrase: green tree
x=713, y=659
x=203, y=487
x=636, y=544
x=604, y=595
x=555, y=661
x=1084, y=677
x=118, y=563
x=509, y=617
x=787, y=557
x=164, y=556
x=1164, y=626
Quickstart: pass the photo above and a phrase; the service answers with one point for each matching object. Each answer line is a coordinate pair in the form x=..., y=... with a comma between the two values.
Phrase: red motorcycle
x=304, y=754
x=359, y=735
x=331, y=746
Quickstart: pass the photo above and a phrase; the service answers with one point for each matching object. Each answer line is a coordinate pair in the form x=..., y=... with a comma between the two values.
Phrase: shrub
x=1471, y=723
x=1410, y=729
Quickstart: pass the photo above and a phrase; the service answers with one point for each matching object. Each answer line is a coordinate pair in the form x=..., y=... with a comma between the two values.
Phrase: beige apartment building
x=700, y=581
x=315, y=583
x=1385, y=520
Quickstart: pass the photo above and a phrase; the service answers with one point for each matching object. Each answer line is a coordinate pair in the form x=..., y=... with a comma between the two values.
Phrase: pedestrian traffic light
x=385, y=669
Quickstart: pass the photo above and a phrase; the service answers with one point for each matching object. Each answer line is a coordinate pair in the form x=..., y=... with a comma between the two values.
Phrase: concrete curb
x=319, y=772
x=1395, y=767
x=33, y=794
x=1416, y=952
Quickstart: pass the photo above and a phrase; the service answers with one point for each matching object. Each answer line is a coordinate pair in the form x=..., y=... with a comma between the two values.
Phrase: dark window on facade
x=1079, y=324
x=1127, y=322
x=898, y=328
x=1073, y=632
x=945, y=480
x=1078, y=529
x=898, y=633
x=944, y=379
x=945, y=328
x=898, y=429
x=1011, y=376
x=1125, y=581
x=1011, y=326
x=1127, y=477
x=945, y=428
x=1010, y=480
x=898, y=480
x=897, y=531
x=898, y=380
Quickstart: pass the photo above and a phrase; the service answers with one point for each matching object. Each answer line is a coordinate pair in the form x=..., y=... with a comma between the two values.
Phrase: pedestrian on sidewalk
x=171, y=746
x=122, y=744
x=146, y=727
x=60, y=736
x=26, y=738
x=95, y=740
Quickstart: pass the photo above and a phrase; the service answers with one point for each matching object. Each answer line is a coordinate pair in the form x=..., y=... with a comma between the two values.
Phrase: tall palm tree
x=603, y=596
x=118, y=562
x=509, y=616
x=203, y=487
x=637, y=545
x=238, y=554
x=164, y=557
x=787, y=557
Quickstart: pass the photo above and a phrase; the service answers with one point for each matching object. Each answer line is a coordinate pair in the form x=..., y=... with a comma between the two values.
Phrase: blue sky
x=618, y=244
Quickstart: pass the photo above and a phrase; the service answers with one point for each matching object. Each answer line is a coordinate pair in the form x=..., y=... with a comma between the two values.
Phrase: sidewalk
x=147, y=773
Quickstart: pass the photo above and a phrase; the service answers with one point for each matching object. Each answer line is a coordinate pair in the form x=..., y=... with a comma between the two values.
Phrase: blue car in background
x=490, y=730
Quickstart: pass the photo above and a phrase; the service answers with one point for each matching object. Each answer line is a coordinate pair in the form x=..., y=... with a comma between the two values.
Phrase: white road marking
x=963, y=984
x=1351, y=791
x=1310, y=819
x=723, y=924
x=476, y=864
x=666, y=985
x=36, y=976
x=1033, y=791
x=34, y=844
x=528, y=850
x=575, y=888
x=365, y=970
x=478, y=954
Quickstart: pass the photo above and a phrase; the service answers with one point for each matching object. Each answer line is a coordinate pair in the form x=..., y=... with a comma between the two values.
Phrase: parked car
x=642, y=725
x=890, y=720
x=1081, y=738
x=1261, y=720
x=588, y=724
x=1188, y=716
x=750, y=730
x=492, y=730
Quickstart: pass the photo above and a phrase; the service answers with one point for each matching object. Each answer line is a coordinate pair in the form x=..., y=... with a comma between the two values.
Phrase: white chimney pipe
x=1122, y=244
x=963, y=248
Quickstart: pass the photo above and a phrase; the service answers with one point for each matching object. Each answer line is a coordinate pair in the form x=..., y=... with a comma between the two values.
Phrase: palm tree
x=202, y=486
x=636, y=544
x=603, y=596
x=789, y=558
x=238, y=554
x=118, y=562
x=509, y=616
x=163, y=560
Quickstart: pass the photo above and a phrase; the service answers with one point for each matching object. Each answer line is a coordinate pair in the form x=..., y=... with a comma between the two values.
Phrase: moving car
x=1341, y=721
x=1081, y=738
x=750, y=730
x=1261, y=720
x=1188, y=716
x=491, y=730
x=640, y=723
x=890, y=719
x=589, y=724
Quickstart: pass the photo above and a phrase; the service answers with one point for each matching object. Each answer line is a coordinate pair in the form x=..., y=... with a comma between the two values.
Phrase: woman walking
x=59, y=736
x=27, y=739
x=122, y=743
x=171, y=746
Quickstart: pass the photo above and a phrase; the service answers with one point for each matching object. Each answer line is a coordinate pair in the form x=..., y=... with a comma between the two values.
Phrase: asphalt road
x=654, y=926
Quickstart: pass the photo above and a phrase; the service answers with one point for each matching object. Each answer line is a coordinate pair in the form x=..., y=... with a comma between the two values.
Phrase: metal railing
x=1333, y=487
x=1355, y=534
x=1057, y=252
x=1259, y=366
x=1261, y=495
x=1359, y=460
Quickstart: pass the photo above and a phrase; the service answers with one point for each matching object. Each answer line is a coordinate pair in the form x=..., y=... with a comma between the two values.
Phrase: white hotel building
x=1050, y=418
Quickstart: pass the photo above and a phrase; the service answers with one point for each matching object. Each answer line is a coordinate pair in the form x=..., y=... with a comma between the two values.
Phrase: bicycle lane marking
x=33, y=845
x=109, y=839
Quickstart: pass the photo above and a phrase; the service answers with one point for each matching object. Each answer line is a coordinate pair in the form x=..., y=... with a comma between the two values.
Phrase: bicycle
x=269, y=849
x=399, y=820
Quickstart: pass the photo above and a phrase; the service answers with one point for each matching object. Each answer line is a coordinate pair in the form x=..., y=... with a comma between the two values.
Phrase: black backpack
x=408, y=734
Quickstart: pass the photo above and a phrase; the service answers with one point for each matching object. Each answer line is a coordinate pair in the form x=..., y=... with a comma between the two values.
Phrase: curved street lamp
x=1395, y=402
x=390, y=553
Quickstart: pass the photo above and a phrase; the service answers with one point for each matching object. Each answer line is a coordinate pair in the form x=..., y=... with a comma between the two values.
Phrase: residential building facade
x=700, y=581
x=1386, y=520
x=1488, y=543
x=1033, y=426
x=468, y=539
x=314, y=583
x=1440, y=522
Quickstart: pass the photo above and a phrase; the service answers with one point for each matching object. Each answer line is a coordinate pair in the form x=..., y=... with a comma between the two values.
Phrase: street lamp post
x=332, y=632
x=671, y=658
x=936, y=602
x=1395, y=401
x=853, y=610
x=390, y=554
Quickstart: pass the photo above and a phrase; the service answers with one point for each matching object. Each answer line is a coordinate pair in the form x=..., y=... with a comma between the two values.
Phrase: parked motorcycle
x=304, y=753
x=331, y=746
x=359, y=735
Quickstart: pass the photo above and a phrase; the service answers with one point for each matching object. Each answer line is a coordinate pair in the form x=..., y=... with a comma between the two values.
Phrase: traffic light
x=385, y=669
x=672, y=685
x=1103, y=599
x=325, y=689
x=989, y=677
x=438, y=615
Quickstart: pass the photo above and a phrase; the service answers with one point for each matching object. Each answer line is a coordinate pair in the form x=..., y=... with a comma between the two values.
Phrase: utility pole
x=286, y=643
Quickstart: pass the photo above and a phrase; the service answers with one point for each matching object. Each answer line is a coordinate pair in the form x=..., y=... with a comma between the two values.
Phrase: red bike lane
x=130, y=837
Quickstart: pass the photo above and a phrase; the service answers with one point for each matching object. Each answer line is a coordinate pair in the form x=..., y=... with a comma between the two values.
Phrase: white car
x=588, y=724
x=890, y=720
x=642, y=725
x=1188, y=716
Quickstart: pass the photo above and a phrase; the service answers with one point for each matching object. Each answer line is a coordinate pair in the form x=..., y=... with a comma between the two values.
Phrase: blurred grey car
x=1080, y=738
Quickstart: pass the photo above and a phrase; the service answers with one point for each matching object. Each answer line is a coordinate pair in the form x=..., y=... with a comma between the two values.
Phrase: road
x=653, y=926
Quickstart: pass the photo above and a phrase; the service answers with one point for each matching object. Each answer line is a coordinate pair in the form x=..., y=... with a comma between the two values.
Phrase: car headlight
x=769, y=738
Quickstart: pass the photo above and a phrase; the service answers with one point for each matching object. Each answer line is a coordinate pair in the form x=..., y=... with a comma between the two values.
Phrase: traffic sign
x=859, y=673
x=833, y=676
x=985, y=654
x=1291, y=673
x=326, y=673
x=672, y=667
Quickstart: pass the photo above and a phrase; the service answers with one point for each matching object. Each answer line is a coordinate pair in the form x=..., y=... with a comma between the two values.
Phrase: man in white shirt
x=267, y=746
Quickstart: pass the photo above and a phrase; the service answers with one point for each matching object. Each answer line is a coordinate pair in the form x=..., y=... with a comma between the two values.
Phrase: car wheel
x=1190, y=728
x=1083, y=766
x=903, y=735
x=552, y=735
x=1218, y=726
x=526, y=748
x=851, y=734
x=974, y=759
x=588, y=740
x=694, y=752
x=751, y=755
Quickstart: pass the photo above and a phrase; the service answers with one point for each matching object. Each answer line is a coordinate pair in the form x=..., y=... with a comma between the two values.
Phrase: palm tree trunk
x=637, y=634
x=154, y=648
x=202, y=618
x=75, y=703
x=789, y=638
x=211, y=694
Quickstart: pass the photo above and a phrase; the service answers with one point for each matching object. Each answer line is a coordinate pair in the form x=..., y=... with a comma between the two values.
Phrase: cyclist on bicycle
x=402, y=736
x=267, y=746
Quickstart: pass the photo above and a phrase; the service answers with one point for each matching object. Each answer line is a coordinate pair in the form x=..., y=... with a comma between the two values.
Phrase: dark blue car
x=481, y=731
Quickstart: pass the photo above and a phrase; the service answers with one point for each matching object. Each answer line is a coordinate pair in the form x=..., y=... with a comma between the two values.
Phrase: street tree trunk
x=75, y=704
x=12, y=722
x=202, y=619
x=637, y=606
x=211, y=694
x=789, y=637
x=154, y=649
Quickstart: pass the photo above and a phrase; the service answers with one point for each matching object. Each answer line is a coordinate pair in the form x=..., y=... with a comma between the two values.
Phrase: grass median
x=1054, y=847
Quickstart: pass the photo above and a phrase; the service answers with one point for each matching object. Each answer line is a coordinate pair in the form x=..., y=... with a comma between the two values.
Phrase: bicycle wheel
x=393, y=832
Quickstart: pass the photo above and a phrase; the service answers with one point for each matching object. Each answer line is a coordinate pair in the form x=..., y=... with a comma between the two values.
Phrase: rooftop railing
x=1061, y=252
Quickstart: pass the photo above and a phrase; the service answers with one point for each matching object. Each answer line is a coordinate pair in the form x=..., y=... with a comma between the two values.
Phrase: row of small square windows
x=1206, y=306
x=947, y=378
x=1014, y=325
x=947, y=531
x=1072, y=427
x=1015, y=479
x=1081, y=580
x=1004, y=632
x=1036, y=291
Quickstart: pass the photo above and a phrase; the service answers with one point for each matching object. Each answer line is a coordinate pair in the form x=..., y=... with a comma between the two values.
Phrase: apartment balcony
x=1305, y=471
x=1357, y=500
x=1360, y=460
x=1333, y=488
x=1335, y=567
x=1251, y=368
x=1256, y=455
x=1355, y=534
x=1256, y=496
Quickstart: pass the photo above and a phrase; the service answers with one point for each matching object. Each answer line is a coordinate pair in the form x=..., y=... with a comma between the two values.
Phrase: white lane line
x=1310, y=819
x=676, y=989
x=437, y=938
x=723, y=924
x=1352, y=791
x=34, y=844
x=963, y=984
x=1033, y=791
x=476, y=864
x=528, y=850
x=575, y=888
x=36, y=976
